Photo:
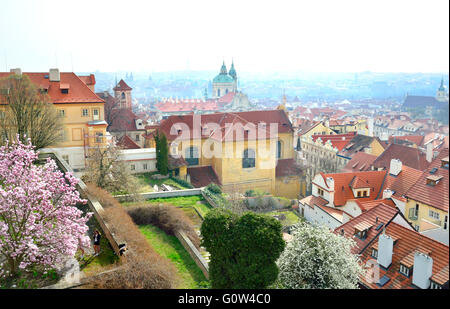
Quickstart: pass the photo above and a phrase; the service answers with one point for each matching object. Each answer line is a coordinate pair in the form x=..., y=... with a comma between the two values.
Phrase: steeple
x=441, y=88
x=232, y=71
x=223, y=70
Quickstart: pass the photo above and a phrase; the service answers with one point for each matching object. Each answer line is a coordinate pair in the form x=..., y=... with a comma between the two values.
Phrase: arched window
x=279, y=149
x=192, y=155
x=226, y=91
x=248, y=160
x=123, y=95
x=218, y=92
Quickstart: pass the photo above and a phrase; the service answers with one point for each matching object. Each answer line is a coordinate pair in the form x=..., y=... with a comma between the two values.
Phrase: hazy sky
x=163, y=35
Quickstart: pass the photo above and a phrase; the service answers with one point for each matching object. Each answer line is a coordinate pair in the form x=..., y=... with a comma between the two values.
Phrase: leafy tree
x=162, y=153
x=243, y=249
x=316, y=258
x=39, y=223
x=29, y=113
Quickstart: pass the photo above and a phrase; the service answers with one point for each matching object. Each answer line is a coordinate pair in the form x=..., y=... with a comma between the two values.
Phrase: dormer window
x=433, y=180
x=374, y=253
x=404, y=270
x=361, y=230
x=444, y=163
x=435, y=286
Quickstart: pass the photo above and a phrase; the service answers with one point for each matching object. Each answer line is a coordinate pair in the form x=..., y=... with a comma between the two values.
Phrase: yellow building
x=239, y=151
x=80, y=110
x=344, y=126
x=427, y=200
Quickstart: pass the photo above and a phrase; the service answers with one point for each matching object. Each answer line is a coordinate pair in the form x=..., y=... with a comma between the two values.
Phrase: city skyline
x=263, y=36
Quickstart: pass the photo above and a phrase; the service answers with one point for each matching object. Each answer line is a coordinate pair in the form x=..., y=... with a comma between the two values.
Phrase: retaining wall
x=152, y=195
x=193, y=252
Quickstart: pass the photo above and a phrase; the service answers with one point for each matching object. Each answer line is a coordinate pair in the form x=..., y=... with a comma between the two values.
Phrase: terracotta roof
x=287, y=167
x=314, y=200
x=202, y=176
x=228, y=98
x=122, y=86
x=305, y=125
x=401, y=183
x=367, y=205
x=408, y=242
x=126, y=142
x=380, y=214
x=176, y=162
x=343, y=181
x=79, y=92
x=338, y=214
x=437, y=195
x=360, y=161
x=227, y=123
x=124, y=121
x=337, y=140
x=88, y=80
x=409, y=156
x=416, y=139
x=357, y=144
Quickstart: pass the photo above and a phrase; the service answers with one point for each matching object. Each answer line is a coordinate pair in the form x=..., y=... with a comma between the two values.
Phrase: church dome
x=223, y=78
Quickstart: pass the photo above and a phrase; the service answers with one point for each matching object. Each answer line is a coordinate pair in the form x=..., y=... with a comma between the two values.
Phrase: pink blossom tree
x=39, y=221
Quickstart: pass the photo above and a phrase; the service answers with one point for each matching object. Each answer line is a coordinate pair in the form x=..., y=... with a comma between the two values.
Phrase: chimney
x=385, y=249
x=396, y=167
x=54, y=75
x=17, y=71
x=387, y=193
x=429, y=156
x=422, y=270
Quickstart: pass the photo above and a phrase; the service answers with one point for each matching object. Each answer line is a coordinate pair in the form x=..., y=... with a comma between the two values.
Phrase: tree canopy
x=316, y=258
x=243, y=249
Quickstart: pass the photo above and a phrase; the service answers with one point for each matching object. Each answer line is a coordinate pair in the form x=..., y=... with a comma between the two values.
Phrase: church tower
x=225, y=82
x=441, y=94
x=122, y=93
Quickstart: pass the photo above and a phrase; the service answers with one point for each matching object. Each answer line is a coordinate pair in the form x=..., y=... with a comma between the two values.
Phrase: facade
x=122, y=93
x=234, y=156
x=427, y=201
x=80, y=109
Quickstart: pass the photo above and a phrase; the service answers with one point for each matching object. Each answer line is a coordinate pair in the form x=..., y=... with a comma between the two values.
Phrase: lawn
x=181, y=201
x=170, y=247
x=291, y=218
x=146, y=183
x=94, y=264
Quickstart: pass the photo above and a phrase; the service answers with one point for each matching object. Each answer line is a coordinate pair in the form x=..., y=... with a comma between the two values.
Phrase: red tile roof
x=367, y=205
x=342, y=185
x=380, y=214
x=416, y=139
x=126, y=142
x=409, y=156
x=227, y=124
x=122, y=86
x=88, y=80
x=202, y=176
x=408, y=242
x=337, y=140
x=314, y=200
x=361, y=161
x=79, y=92
x=401, y=183
x=125, y=120
x=287, y=167
x=437, y=195
x=228, y=98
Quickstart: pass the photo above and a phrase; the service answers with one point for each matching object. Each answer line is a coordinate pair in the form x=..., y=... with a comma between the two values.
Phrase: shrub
x=141, y=267
x=182, y=182
x=168, y=218
x=243, y=249
x=212, y=187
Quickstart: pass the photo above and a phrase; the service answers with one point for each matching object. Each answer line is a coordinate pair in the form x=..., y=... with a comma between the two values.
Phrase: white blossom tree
x=316, y=258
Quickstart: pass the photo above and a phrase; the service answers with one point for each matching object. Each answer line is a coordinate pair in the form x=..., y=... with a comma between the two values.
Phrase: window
x=433, y=214
x=133, y=167
x=99, y=137
x=404, y=270
x=361, y=234
x=279, y=147
x=248, y=160
x=359, y=193
x=192, y=155
x=96, y=114
x=320, y=191
x=218, y=92
x=61, y=113
x=2, y=114
x=374, y=253
x=65, y=91
x=145, y=166
x=137, y=138
x=85, y=112
x=123, y=95
x=364, y=193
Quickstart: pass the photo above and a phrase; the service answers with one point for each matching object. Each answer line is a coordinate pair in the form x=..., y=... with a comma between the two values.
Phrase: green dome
x=222, y=78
